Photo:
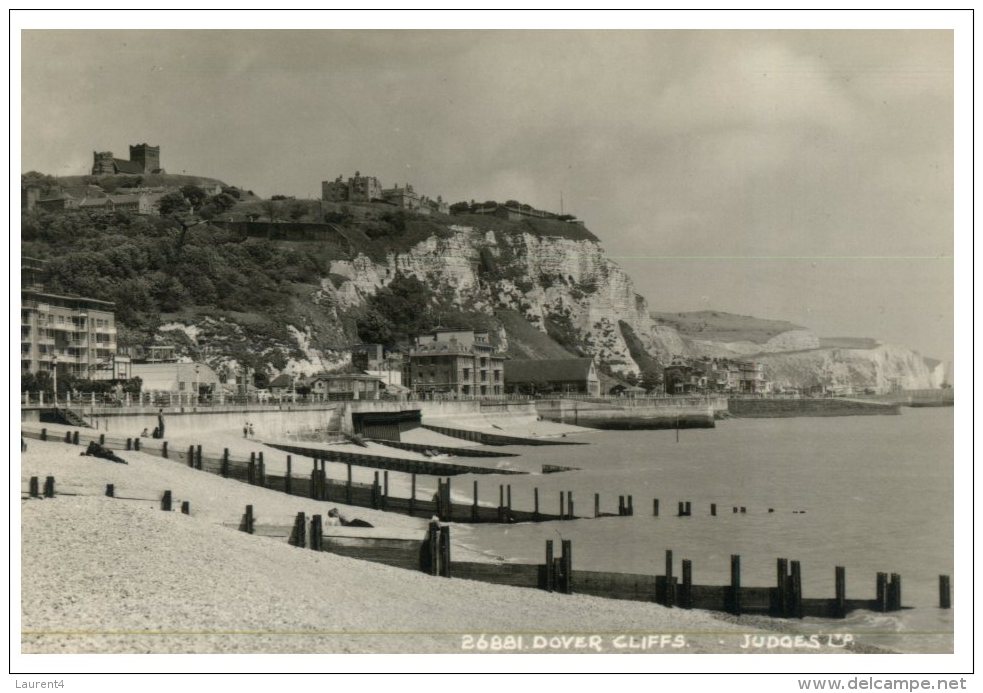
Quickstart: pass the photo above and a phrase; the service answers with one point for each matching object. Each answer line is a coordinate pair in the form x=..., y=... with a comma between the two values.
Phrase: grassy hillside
x=848, y=343
x=724, y=327
x=147, y=180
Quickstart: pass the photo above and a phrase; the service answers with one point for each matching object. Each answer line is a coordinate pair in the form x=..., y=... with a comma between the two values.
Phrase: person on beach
x=96, y=450
x=245, y=430
x=335, y=517
x=251, y=433
x=146, y=434
x=160, y=422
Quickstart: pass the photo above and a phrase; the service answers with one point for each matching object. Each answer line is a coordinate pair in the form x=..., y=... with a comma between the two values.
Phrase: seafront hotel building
x=75, y=334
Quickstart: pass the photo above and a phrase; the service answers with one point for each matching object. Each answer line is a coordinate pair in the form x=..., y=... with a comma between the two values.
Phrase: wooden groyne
x=485, y=438
x=396, y=464
x=673, y=588
x=458, y=452
x=318, y=486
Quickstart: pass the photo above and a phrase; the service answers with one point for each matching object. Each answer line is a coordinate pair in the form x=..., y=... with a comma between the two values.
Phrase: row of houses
x=685, y=376
x=92, y=198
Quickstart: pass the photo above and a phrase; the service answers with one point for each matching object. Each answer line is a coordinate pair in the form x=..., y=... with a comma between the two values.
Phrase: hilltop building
x=454, y=362
x=361, y=188
x=552, y=376
x=143, y=159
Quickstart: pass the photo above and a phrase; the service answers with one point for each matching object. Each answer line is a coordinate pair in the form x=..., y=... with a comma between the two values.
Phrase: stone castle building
x=361, y=188
x=143, y=159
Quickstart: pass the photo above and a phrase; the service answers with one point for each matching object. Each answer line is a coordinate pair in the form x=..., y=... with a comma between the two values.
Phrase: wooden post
x=735, y=509
x=621, y=506
x=300, y=531
x=686, y=598
x=110, y=490
x=680, y=512
x=287, y=485
x=165, y=501
x=413, y=493
x=385, y=488
x=562, y=514
x=743, y=509
x=508, y=502
x=185, y=507
x=945, y=592
x=225, y=462
x=448, y=508
x=33, y=487
x=375, y=490
x=631, y=506
x=713, y=509
x=501, y=503
x=781, y=597
x=198, y=457
x=251, y=469
x=655, y=507
x=566, y=559
x=433, y=541
x=689, y=508
x=129, y=441
x=316, y=534
x=163, y=450
x=535, y=504
x=191, y=453
x=68, y=439
x=894, y=593
x=670, y=594
x=136, y=443
x=49, y=487
x=597, y=504
x=840, y=591
x=881, y=592
x=445, y=551
x=735, y=584
x=348, y=485
x=550, y=577
x=569, y=505
x=474, y=502
x=102, y=439
x=261, y=467
x=44, y=434
x=796, y=591
x=324, y=480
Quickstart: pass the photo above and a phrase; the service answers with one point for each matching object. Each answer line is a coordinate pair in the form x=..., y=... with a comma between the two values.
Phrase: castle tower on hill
x=143, y=159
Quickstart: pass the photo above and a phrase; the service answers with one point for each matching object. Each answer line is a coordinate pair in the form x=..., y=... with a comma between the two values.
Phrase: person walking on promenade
x=160, y=422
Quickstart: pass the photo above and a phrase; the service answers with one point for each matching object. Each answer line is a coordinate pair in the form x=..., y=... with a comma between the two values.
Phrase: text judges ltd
x=570, y=643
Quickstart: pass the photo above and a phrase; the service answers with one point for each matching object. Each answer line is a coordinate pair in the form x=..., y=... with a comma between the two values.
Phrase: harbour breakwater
x=627, y=414
x=792, y=407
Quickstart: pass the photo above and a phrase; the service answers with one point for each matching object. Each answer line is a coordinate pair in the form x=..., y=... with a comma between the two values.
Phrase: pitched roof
x=282, y=380
x=127, y=166
x=547, y=370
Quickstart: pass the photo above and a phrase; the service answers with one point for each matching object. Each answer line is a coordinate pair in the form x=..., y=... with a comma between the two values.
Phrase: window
x=467, y=374
x=498, y=376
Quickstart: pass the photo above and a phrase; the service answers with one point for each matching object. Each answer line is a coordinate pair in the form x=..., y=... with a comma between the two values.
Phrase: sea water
x=869, y=493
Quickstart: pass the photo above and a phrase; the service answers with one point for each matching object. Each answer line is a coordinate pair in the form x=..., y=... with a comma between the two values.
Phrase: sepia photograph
x=598, y=339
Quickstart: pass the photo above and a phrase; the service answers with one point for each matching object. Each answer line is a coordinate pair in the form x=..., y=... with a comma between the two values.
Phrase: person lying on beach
x=336, y=518
x=96, y=450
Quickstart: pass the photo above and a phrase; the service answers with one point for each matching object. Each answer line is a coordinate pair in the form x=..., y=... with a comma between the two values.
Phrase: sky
x=796, y=175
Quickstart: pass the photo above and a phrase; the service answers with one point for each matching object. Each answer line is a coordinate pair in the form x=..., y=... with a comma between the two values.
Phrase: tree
x=296, y=211
x=272, y=208
x=173, y=203
x=460, y=208
x=194, y=195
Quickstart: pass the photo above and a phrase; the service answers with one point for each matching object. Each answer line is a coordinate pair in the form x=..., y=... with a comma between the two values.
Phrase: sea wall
x=269, y=423
x=776, y=408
